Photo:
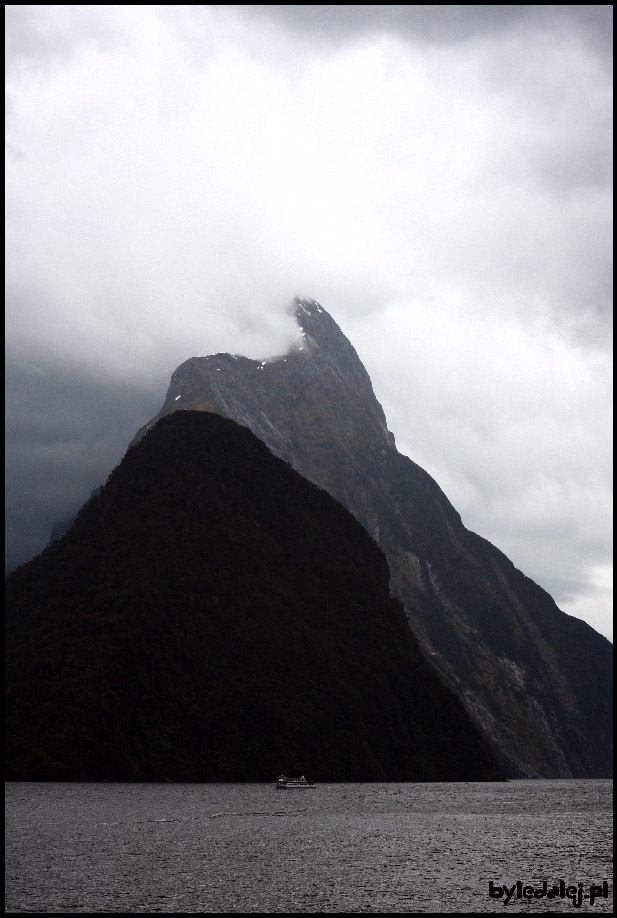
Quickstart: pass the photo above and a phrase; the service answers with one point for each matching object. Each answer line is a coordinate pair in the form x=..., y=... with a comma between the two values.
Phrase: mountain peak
x=537, y=682
x=320, y=331
x=319, y=381
x=311, y=319
x=305, y=305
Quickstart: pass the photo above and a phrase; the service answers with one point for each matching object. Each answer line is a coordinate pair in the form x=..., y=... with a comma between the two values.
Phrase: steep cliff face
x=536, y=681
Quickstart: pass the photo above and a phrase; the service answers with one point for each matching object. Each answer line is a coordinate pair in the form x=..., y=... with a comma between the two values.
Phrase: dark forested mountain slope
x=212, y=615
x=537, y=682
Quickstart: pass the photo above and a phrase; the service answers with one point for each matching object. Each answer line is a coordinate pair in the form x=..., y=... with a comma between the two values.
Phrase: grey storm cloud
x=439, y=22
x=439, y=177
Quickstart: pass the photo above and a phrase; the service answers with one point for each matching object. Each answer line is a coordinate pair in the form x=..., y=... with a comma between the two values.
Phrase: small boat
x=284, y=782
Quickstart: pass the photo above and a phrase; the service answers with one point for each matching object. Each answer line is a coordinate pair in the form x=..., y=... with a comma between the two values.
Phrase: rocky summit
x=537, y=682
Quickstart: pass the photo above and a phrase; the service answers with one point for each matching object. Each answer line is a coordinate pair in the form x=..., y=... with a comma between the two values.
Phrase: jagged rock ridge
x=537, y=682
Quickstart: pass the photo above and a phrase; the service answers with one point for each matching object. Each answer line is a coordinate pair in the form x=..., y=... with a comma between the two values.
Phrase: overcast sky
x=437, y=177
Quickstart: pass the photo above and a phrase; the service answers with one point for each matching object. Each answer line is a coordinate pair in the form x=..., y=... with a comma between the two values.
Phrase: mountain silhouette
x=211, y=615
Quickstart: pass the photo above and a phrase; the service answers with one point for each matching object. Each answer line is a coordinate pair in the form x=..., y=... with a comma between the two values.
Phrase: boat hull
x=294, y=786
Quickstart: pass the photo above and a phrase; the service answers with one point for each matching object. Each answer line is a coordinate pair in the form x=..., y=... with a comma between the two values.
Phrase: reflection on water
x=338, y=848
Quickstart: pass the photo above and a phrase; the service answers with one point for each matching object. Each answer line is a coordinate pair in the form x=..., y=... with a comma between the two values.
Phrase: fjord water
x=335, y=848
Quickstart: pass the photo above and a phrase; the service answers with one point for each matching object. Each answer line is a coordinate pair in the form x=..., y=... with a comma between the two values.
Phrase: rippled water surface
x=335, y=848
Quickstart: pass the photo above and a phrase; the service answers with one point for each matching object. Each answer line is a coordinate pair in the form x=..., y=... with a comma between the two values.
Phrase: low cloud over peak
x=438, y=177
